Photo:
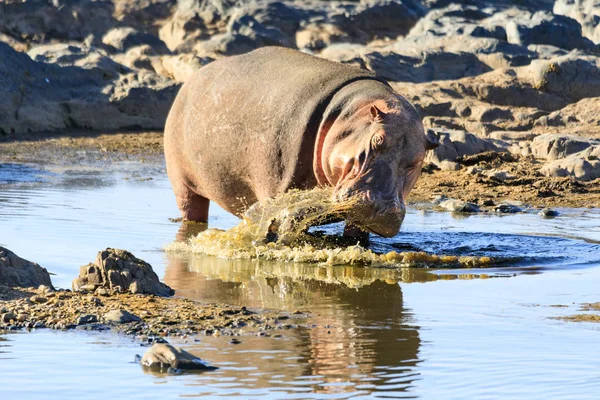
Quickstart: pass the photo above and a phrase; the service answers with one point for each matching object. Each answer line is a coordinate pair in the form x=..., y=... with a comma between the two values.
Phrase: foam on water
x=276, y=230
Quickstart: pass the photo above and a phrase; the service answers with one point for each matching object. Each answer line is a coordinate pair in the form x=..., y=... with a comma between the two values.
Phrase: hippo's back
x=245, y=126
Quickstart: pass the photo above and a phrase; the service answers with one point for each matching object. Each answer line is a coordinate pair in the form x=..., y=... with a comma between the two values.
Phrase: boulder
x=40, y=96
x=543, y=27
x=459, y=206
x=573, y=77
x=430, y=66
x=375, y=19
x=455, y=144
x=181, y=67
x=120, y=317
x=39, y=21
x=162, y=356
x=586, y=12
x=556, y=146
x=124, y=38
x=16, y=271
x=121, y=271
x=86, y=57
x=583, y=166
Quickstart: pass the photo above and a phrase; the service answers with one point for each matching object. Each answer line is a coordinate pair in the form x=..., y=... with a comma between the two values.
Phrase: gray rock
x=548, y=213
x=583, y=166
x=586, y=12
x=430, y=66
x=67, y=20
x=507, y=209
x=87, y=319
x=454, y=144
x=37, y=96
x=120, y=270
x=120, y=317
x=16, y=271
x=449, y=166
x=86, y=57
x=7, y=317
x=459, y=206
x=162, y=356
x=573, y=76
x=543, y=27
x=125, y=38
x=555, y=146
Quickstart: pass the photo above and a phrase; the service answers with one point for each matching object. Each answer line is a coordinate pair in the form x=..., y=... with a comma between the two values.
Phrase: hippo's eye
x=377, y=140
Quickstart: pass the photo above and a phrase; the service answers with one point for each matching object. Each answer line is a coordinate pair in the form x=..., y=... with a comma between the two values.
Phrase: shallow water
x=373, y=332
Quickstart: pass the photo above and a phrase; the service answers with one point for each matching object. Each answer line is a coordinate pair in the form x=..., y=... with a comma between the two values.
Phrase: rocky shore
x=119, y=292
x=511, y=88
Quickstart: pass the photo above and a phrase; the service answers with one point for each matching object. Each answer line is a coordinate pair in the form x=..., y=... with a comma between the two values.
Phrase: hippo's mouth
x=377, y=214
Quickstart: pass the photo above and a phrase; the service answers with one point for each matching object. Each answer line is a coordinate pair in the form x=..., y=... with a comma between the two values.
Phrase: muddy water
x=445, y=333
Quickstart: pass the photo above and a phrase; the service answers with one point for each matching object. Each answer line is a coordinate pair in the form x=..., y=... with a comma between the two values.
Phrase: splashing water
x=276, y=229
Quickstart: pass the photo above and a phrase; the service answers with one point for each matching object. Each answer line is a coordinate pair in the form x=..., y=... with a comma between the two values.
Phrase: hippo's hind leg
x=193, y=206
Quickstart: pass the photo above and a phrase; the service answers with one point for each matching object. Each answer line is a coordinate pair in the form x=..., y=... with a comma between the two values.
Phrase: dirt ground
x=155, y=316
x=527, y=186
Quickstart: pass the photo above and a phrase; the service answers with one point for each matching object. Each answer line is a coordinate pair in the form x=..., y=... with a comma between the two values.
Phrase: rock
x=459, y=206
x=123, y=39
x=37, y=96
x=548, y=213
x=120, y=270
x=87, y=319
x=555, y=146
x=120, y=317
x=67, y=20
x=583, y=166
x=7, y=317
x=318, y=36
x=38, y=299
x=16, y=271
x=181, y=67
x=449, y=166
x=244, y=33
x=586, y=12
x=162, y=356
x=373, y=19
x=89, y=58
x=507, y=209
x=543, y=27
x=431, y=66
x=454, y=144
x=499, y=175
x=572, y=77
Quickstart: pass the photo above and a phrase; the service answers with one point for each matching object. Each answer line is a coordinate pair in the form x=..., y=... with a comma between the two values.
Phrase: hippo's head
x=374, y=155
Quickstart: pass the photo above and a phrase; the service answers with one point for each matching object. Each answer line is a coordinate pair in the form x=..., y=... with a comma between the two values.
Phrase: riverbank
x=486, y=180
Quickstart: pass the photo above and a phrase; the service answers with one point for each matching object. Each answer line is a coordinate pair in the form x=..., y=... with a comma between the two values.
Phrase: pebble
x=508, y=209
x=120, y=317
x=459, y=206
x=87, y=319
x=548, y=213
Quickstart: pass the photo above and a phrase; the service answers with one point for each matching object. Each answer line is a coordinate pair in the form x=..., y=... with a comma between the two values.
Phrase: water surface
x=373, y=332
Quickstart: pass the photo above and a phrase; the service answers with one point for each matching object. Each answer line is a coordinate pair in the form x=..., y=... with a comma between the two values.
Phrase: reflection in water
x=358, y=323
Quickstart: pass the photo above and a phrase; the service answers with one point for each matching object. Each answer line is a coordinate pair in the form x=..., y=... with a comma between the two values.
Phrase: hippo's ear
x=432, y=140
x=377, y=114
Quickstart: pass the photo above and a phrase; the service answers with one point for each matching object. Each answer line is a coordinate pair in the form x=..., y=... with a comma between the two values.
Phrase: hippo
x=249, y=127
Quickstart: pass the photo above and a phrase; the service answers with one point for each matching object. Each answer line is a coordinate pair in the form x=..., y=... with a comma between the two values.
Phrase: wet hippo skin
x=249, y=127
